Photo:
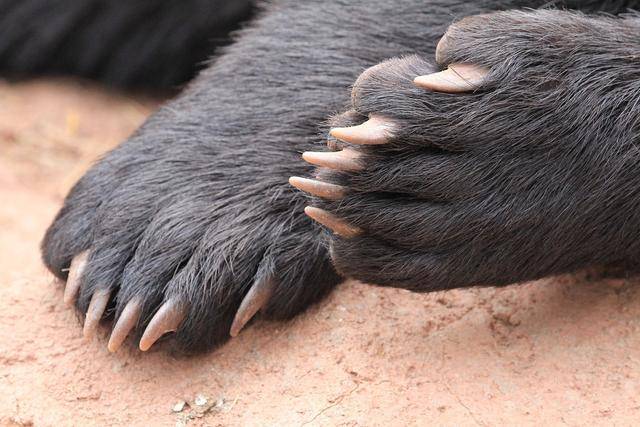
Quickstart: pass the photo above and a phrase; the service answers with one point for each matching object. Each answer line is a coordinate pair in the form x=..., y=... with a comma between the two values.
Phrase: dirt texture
x=560, y=351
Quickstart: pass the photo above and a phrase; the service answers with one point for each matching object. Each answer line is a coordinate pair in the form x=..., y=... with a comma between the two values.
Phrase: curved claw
x=346, y=160
x=455, y=79
x=441, y=47
x=126, y=322
x=318, y=188
x=166, y=319
x=72, y=288
x=256, y=298
x=331, y=221
x=98, y=304
x=374, y=131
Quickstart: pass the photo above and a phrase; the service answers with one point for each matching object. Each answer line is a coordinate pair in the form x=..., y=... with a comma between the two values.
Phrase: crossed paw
x=518, y=160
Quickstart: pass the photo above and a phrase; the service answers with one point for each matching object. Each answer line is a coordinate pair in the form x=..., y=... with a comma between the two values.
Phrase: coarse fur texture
x=534, y=173
x=195, y=207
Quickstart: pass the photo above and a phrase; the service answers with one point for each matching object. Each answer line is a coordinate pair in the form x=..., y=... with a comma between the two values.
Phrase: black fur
x=536, y=173
x=196, y=205
x=154, y=44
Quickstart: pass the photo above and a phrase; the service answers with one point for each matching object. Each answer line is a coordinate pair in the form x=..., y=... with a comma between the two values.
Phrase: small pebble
x=200, y=400
x=178, y=407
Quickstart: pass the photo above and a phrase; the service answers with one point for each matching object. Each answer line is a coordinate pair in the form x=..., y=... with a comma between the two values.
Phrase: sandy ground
x=562, y=351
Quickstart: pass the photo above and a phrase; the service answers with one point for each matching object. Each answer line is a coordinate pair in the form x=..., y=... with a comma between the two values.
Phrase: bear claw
x=330, y=221
x=318, y=188
x=167, y=319
x=254, y=301
x=72, y=288
x=126, y=322
x=345, y=160
x=374, y=131
x=96, y=309
x=455, y=79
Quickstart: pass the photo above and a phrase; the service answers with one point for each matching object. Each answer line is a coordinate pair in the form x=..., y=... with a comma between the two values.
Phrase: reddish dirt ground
x=558, y=351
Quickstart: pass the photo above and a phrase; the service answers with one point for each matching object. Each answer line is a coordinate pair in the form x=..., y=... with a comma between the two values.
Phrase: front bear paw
x=518, y=161
x=172, y=232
